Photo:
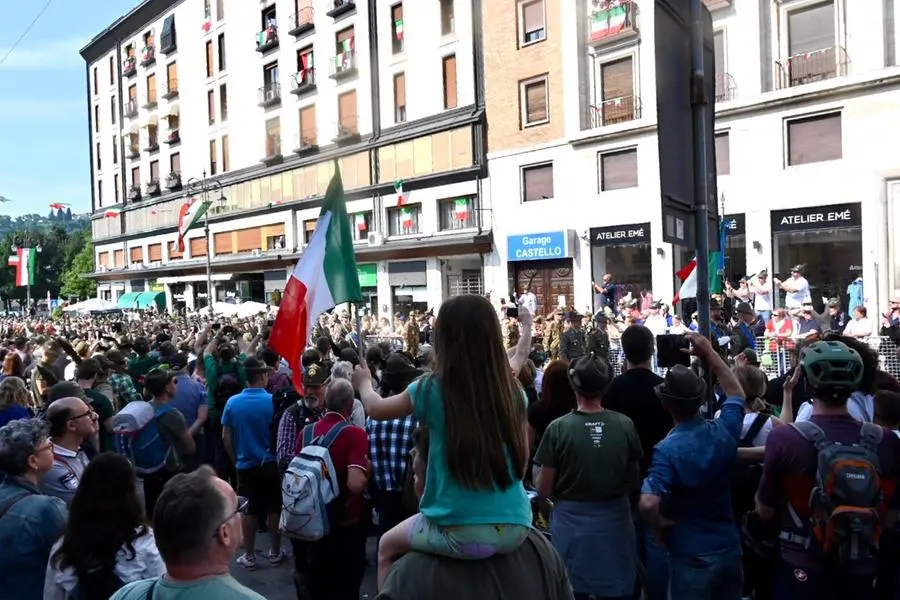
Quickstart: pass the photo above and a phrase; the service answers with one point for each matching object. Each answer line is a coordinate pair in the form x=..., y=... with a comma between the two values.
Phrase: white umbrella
x=222, y=309
x=90, y=305
x=249, y=309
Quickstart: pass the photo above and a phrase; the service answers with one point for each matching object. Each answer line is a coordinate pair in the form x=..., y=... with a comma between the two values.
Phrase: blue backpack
x=137, y=436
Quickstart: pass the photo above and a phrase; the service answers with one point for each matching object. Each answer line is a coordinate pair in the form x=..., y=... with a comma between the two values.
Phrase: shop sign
x=817, y=217
x=538, y=246
x=367, y=274
x=735, y=224
x=621, y=235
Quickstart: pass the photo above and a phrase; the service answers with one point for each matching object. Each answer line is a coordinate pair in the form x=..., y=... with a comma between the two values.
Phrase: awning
x=130, y=128
x=128, y=300
x=172, y=112
x=151, y=299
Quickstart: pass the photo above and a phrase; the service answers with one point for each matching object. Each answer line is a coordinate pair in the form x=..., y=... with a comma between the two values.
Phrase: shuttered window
x=249, y=240
x=226, y=161
x=449, y=67
x=400, y=90
x=151, y=89
x=537, y=182
x=618, y=170
x=175, y=162
x=211, y=106
x=210, y=65
x=397, y=29
x=154, y=252
x=212, y=157
x=534, y=101
x=308, y=133
x=103, y=259
x=617, y=78
x=814, y=139
x=273, y=137
x=132, y=92
x=723, y=153
x=174, y=252
x=308, y=228
x=137, y=255
x=719, y=49
x=532, y=22
x=222, y=243
x=198, y=246
x=119, y=258
x=172, y=76
x=811, y=28
x=347, y=111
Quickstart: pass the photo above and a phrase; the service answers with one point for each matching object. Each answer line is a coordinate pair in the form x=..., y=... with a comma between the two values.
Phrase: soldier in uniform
x=719, y=330
x=552, y=334
x=411, y=335
x=597, y=338
x=572, y=343
x=513, y=333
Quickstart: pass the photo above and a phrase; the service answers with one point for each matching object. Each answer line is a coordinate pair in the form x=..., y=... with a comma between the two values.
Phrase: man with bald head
x=197, y=526
x=72, y=422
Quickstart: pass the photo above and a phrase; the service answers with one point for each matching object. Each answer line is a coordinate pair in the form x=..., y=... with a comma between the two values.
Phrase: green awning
x=147, y=300
x=127, y=301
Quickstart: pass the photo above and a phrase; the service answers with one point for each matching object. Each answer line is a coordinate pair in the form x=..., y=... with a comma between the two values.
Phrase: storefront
x=409, y=286
x=827, y=240
x=274, y=281
x=543, y=262
x=735, y=247
x=368, y=284
x=624, y=252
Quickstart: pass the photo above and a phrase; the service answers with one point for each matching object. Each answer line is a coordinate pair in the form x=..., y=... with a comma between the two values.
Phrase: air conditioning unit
x=375, y=239
x=256, y=252
x=271, y=95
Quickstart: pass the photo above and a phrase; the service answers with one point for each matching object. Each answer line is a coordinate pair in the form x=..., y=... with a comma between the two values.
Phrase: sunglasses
x=243, y=504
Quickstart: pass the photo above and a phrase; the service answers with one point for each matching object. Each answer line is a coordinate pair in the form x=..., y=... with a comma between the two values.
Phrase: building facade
x=256, y=102
x=806, y=117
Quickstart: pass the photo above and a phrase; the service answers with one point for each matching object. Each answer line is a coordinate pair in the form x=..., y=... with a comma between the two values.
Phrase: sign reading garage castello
x=835, y=216
x=621, y=235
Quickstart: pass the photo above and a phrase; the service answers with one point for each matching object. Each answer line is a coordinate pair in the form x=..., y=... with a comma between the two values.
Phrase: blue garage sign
x=538, y=246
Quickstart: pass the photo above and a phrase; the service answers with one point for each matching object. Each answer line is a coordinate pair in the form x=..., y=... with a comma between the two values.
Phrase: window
x=270, y=74
x=175, y=163
x=221, y=43
x=305, y=67
x=226, y=163
x=273, y=137
x=449, y=67
x=223, y=102
x=537, y=182
x=212, y=157
x=210, y=65
x=151, y=89
x=814, y=139
x=361, y=222
x=172, y=77
x=220, y=10
x=308, y=228
x=456, y=213
x=347, y=113
x=99, y=192
x=308, y=132
x=132, y=92
x=618, y=170
x=148, y=39
x=448, y=22
x=404, y=220
x=275, y=242
x=724, y=89
x=96, y=118
x=97, y=155
x=167, y=39
x=269, y=17
x=115, y=147
x=344, y=42
x=531, y=22
x=135, y=176
x=397, y=28
x=723, y=153
x=112, y=70
x=154, y=171
x=533, y=100
x=617, y=93
x=116, y=186
x=211, y=106
x=400, y=98
x=811, y=28
x=96, y=85
x=112, y=110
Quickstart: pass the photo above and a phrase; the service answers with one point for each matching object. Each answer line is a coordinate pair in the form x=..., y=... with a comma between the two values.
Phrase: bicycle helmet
x=832, y=367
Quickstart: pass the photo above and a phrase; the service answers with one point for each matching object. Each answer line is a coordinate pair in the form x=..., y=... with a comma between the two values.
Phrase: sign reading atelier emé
x=818, y=217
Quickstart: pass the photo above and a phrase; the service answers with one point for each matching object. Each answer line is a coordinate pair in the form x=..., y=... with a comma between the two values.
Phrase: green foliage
x=80, y=262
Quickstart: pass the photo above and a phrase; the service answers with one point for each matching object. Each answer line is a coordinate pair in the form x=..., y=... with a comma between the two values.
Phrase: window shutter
x=174, y=252
x=308, y=123
x=617, y=79
x=154, y=252
x=198, y=246
x=619, y=170
x=537, y=182
x=450, y=96
x=222, y=242
x=175, y=162
x=533, y=16
x=814, y=139
x=103, y=259
x=209, y=59
x=723, y=154
x=347, y=110
x=248, y=240
x=136, y=255
x=119, y=258
x=536, y=101
x=811, y=29
x=399, y=90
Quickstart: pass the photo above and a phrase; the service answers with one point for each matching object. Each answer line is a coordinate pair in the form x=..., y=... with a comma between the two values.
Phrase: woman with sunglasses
x=108, y=542
x=29, y=521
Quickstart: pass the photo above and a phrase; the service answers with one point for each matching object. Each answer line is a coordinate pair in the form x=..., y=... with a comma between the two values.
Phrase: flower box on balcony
x=148, y=56
x=129, y=66
x=153, y=188
x=133, y=151
x=173, y=180
x=306, y=147
x=134, y=192
x=346, y=134
x=174, y=137
x=152, y=146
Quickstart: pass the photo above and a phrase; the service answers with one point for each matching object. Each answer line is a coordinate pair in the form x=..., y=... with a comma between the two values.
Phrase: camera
x=669, y=348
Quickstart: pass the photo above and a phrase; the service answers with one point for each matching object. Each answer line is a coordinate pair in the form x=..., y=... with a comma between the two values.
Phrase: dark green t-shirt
x=139, y=366
x=104, y=409
x=591, y=453
x=172, y=427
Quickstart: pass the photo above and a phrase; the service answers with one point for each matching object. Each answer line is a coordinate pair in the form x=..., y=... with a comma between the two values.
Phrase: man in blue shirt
x=247, y=437
x=686, y=497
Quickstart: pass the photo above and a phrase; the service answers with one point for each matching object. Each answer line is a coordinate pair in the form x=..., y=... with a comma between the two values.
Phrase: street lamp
x=204, y=187
x=15, y=248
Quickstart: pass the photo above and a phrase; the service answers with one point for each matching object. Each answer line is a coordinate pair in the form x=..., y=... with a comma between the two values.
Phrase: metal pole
x=700, y=104
x=209, y=288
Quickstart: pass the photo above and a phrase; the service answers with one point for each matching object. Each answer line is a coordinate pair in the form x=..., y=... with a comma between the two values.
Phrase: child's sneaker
x=276, y=558
x=248, y=561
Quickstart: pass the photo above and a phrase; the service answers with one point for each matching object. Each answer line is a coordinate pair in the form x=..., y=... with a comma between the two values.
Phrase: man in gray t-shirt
x=72, y=423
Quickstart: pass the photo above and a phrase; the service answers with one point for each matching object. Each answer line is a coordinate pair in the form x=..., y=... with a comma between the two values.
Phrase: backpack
x=747, y=474
x=282, y=401
x=227, y=385
x=137, y=436
x=309, y=485
x=846, y=502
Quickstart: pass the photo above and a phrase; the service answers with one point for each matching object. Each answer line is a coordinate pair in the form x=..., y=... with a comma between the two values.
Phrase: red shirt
x=350, y=449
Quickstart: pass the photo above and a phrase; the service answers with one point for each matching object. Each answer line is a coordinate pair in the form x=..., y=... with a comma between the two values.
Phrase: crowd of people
x=492, y=454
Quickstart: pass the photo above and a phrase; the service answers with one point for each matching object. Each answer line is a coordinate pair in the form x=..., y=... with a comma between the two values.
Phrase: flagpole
x=205, y=185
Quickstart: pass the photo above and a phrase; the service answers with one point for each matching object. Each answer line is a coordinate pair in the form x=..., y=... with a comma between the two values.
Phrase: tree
x=74, y=284
x=68, y=213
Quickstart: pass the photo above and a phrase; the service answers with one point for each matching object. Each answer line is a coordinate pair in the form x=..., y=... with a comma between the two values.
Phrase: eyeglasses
x=44, y=448
x=90, y=413
x=240, y=509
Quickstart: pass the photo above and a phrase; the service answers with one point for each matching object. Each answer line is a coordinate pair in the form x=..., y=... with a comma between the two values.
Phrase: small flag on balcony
x=461, y=209
x=406, y=218
x=402, y=199
x=609, y=21
x=58, y=205
x=206, y=26
x=360, y=219
x=112, y=213
x=398, y=29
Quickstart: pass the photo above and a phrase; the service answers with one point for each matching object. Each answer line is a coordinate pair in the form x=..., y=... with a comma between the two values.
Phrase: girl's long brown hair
x=753, y=382
x=484, y=407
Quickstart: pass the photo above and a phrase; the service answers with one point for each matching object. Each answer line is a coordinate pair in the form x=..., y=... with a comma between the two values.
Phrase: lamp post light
x=204, y=187
x=15, y=248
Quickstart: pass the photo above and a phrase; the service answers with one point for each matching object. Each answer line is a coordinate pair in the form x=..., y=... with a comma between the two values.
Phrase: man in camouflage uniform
x=552, y=333
x=513, y=333
x=411, y=335
x=572, y=343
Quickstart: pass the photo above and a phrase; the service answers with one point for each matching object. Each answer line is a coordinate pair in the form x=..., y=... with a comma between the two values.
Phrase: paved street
x=277, y=583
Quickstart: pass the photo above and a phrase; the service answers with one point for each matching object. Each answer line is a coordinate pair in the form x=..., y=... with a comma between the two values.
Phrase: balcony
x=173, y=181
x=270, y=95
x=134, y=150
x=302, y=22
x=341, y=7
x=718, y=4
x=134, y=193
x=612, y=21
x=809, y=67
x=614, y=111
x=173, y=138
x=267, y=39
x=304, y=82
x=726, y=88
x=131, y=108
x=129, y=67
x=170, y=89
x=273, y=150
x=347, y=131
x=307, y=144
x=152, y=140
x=343, y=66
x=148, y=55
x=151, y=102
x=153, y=188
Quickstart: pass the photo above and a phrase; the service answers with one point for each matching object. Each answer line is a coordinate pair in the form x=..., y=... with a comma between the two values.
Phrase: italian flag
x=688, y=278
x=401, y=197
x=609, y=20
x=24, y=260
x=112, y=213
x=398, y=28
x=324, y=277
x=360, y=219
x=461, y=209
x=189, y=215
x=406, y=220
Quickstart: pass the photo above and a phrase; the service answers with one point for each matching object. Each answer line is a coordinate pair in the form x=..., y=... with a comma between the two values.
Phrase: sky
x=44, y=151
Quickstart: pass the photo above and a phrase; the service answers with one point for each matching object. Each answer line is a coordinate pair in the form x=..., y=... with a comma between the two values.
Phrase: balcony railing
x=270, y=95
x=273, y=148
x=612, y=20
x=173, y=180
x=150, y=104
x=152, y=141
x=267, y=39
x=809, y=67
x=153, y=188
x=129, y=66
x=615, y=110
x=148, y=55
x=174, y=137
x=134, y=192
x=307, y=143
x=134, y=150
x=131, y=108
x=347, y=130
x=170, y=89
x=302, y=22
x=726, y=88
x=304, y=82
x=341, y=7
x=343, y=65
